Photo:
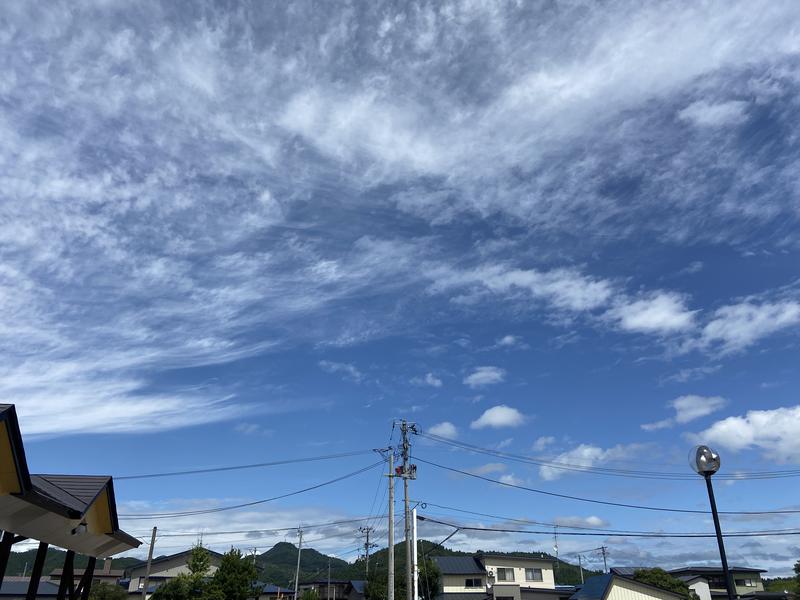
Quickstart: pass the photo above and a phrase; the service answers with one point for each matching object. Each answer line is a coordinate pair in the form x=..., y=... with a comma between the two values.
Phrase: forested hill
x=17, y=562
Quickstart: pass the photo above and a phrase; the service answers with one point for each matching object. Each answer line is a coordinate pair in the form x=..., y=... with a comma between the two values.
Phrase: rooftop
x=459, y=565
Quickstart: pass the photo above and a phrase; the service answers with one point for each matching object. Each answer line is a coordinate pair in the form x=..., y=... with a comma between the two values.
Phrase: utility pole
x=297, y=573
x=408, y=472
x=414, y=553
x=580, y=566
x=390, y=582
x=366, y=531
x=149, y=562
x=329, y=578
x=604, y=550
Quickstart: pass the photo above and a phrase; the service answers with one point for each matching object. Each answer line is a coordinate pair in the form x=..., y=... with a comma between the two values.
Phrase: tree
x=235, y=578
x=199, y=562
x=797, y=572
x=430, y=579
x=107, y=591
x=661, y=579
x=179, y=588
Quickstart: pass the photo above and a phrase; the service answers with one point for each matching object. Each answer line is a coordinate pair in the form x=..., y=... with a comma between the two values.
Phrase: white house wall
x=519, y=565
x=626, y=589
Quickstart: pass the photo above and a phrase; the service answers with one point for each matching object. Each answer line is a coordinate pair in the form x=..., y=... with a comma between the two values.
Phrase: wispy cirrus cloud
x=688, y=408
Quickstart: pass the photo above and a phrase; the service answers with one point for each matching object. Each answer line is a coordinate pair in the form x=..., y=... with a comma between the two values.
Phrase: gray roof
x=459, y=565
x=19, y=588
x=627, y=571
x=75, y=491
x=160, y=559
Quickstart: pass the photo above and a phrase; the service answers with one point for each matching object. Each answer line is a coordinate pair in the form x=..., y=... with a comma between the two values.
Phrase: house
x=709, y=582
x=340, y=589
x=16, y=588
x=104, y=575
x=499, y=576
x=611, y=586
x=165, y=568
x=269, y=591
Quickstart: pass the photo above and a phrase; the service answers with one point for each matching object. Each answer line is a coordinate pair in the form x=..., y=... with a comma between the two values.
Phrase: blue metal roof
x=593, y=588
x=20, y=589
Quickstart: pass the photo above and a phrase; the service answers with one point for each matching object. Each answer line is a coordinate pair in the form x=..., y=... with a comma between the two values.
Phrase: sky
x=236, y=233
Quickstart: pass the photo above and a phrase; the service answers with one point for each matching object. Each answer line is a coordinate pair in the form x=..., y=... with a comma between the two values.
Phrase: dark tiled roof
x=531, y=556
x=714, y=570
x=593, y=588
x=19, y=588
x=626, y=571
x=359, y=585
x=459, y=565
x=271, y=588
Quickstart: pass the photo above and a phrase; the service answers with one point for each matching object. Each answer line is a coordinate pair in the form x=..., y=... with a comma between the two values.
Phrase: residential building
x=104, y=575
x=270, y=591
x=747, y=580
x=611, y=586
x=165, y=568
x=501, y=576
x=16, y=588
x=346, y=589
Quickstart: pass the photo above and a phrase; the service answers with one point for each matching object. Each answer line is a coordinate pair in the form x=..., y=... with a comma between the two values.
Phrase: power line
x=247, y=504
x=596, y=470
x=273, y=530
x=288, y=461
x=603, y=502
x=594, y=529
x=603, y=533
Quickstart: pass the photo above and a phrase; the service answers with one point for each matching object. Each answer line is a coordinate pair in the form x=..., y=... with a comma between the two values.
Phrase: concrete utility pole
x=580, y=566
x=414, y=553
x=604, y=550
x=390, y=583
x=149, y=562
x=409, y=472
x=366, y=531
x=329, y=578
x=297, y=573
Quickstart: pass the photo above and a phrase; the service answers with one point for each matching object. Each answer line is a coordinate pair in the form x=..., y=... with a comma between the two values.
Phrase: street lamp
x=706, y=462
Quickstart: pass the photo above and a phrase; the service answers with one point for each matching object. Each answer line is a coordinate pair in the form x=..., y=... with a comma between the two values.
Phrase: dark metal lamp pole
x=706, y=462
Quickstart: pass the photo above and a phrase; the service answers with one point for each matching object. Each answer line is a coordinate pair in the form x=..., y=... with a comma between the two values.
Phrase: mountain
x=277, y=565
x=19, y=562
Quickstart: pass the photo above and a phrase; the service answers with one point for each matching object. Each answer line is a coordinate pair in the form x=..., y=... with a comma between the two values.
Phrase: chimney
x=107, y=566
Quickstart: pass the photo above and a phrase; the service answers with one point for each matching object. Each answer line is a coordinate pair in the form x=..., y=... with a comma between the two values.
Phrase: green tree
x=430, y=578
x=199, y=562
x=180, y=588
x=107, y=591
x=797, y=572
x=661, y=579
x=235, y=578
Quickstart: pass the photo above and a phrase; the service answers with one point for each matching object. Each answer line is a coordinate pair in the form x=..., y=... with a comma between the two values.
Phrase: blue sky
x=236, y=233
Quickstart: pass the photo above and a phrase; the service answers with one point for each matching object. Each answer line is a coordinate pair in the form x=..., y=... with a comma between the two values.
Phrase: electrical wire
x=275, y=463
x=596, y=470
x=602, y=533
x=253, y=503
x=604, y=502
x=273, y=530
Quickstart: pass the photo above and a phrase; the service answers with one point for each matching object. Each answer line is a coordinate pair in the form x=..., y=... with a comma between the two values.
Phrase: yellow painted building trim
x=98, y=517
x=9, y=478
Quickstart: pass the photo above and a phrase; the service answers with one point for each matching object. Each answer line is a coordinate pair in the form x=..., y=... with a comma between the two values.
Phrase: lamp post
x=706, y=462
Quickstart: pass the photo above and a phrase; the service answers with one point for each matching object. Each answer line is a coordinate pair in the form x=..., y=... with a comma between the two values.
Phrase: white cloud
x=482, y=376
x=510, y=479
x=737, y=326
x=660, y=312
x=585, y=455
x=688, y=408
x=706, y=114
x=499, y=416
x=543, y=442
x=445, y=429
x=488, y=469
x=429, y=379
x=345, y=369
x=776, y=433
x=590, y=521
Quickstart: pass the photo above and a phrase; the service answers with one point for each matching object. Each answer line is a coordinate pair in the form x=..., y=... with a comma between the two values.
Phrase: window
x=473, y=583
x=533, y=575
x=746, y=582
x=504, y=574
